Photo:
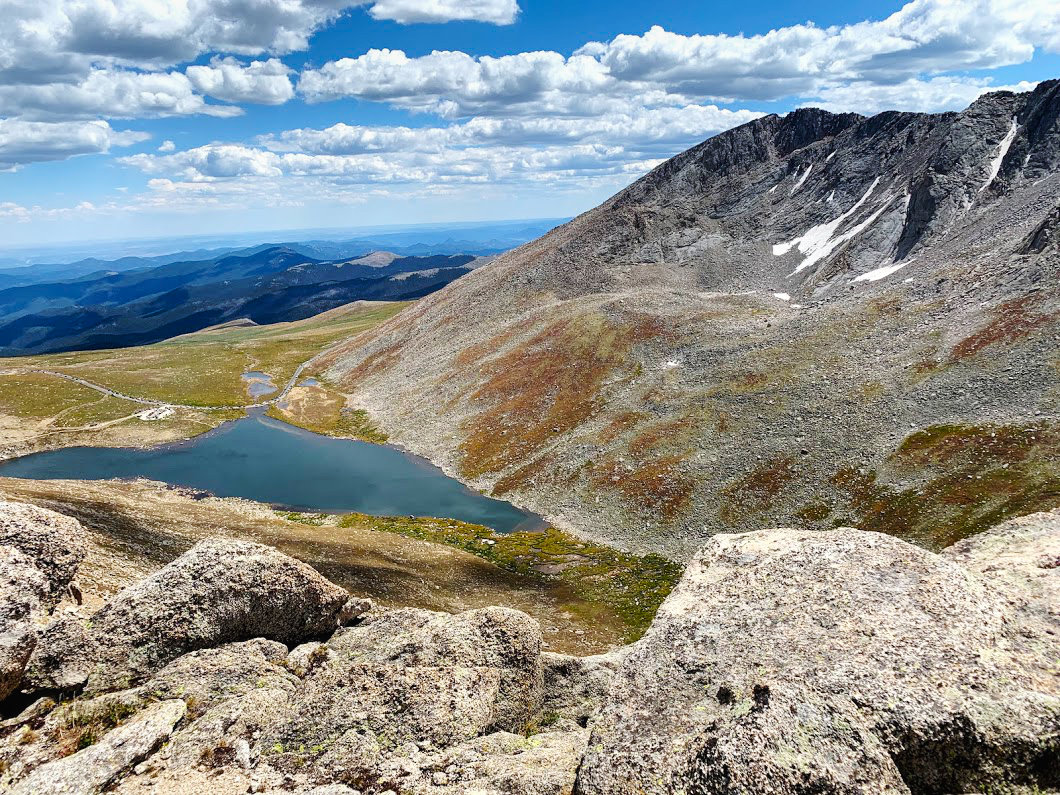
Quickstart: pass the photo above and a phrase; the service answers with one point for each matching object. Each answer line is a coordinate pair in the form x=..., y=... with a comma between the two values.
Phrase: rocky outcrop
x=90, y=771
x=786, y=662
x=1020, y=558
x=409, y=678
x=575, y=687
x=832, y=662
x=23, y=589
x=40, y=551
x=219, y=591
x=650, y=372
x=54, y=542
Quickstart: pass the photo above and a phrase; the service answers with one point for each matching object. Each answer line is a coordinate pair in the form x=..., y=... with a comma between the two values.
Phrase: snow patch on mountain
x=802, y=179
x=821, y=240
x=995, y=164
x=882, y=272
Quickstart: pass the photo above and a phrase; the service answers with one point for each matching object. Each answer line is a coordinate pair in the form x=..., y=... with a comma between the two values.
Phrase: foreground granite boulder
x=791, y=661
x=54, y=542
x=40, y=551
x=23, y=591
x=1021, y=559
x=92, y=769
x=408, y=678
x=786, y=662
x=218, y=592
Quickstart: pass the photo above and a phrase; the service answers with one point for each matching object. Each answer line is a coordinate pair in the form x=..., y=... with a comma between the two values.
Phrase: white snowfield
x=802, y=179
x=995, y=164
x=882, y=272
x=821, y=240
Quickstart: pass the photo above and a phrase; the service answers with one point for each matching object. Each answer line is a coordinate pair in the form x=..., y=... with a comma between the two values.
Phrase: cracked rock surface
x=785, y=662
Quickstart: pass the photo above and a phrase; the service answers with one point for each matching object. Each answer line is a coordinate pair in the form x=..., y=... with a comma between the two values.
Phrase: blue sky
x=130, y=118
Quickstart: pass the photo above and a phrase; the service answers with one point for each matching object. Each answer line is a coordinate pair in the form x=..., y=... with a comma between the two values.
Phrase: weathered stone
x=304, y=659
x=54, y=542
x=24, y=589
x=64, y=656
x=233, y=693
x=507, y=764
x=1020, y=558
x=847, y=659
x=575, y=687
x=414, y=677
x=218, y=592
x=91, y=770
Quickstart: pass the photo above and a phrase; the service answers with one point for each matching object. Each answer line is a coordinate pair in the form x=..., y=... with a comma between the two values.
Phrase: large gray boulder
x=54, y=542
x=40, y=551
x=791, y=661
x=218, y=592
x=1021, y=559
x=405, y=678
x=234, y=692
x=23, y=591
x=575, y=688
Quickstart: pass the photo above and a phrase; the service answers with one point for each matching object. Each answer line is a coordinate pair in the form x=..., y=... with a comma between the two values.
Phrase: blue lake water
x=259, y=384
x=262, y=459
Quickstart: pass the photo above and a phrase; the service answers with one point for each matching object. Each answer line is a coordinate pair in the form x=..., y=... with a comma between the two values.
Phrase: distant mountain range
x=70, y=261
x=119, y=307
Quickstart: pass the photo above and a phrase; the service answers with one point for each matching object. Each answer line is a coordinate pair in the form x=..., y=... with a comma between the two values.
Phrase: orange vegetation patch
x=754, y=491
x=527, y=475
x=374, y=363
x=547, y=386
x=661, y=486
x=752, y=381
x=620, y=424
x=666, y=434
x=473, y=354
x=1012, y=320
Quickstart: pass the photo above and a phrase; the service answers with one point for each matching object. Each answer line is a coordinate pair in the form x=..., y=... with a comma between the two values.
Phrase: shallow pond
x=259, y=384
x=266, y=460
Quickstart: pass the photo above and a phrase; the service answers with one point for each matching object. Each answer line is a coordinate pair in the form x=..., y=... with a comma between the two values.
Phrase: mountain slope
x=816, y=319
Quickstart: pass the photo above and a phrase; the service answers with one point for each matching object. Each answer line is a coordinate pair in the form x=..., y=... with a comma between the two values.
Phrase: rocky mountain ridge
x=786, y=661
x=813, y=320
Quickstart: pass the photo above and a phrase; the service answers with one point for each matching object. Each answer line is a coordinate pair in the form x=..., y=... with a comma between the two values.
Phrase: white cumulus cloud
x=226, y=79
x=922, y=40
x=499, y=12
x=23, y=142
x=113, y=93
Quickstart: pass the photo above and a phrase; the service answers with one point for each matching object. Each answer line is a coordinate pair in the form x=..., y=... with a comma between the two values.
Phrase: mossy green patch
x=948, y=482
x=632, y=586
x=39, y=396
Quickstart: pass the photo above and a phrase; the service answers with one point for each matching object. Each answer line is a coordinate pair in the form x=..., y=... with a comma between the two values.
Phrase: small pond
x=269, y=461
x=259, y=384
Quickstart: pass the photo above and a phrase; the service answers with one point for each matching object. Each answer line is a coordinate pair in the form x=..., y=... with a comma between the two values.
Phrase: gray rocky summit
x=753, y=333
x=785, y=661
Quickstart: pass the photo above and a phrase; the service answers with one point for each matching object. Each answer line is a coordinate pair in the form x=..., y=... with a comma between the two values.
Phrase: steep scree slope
x=813, y=319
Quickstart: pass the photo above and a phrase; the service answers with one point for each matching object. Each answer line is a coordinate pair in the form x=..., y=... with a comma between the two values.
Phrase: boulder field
x=786, y=661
